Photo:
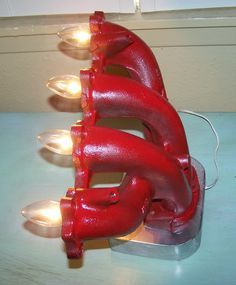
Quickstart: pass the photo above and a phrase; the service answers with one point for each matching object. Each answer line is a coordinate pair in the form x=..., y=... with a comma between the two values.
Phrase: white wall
x=163, y=5
x=32, y=7
x=196, y=53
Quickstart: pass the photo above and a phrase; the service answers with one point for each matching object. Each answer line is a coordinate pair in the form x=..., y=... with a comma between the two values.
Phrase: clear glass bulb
x=68, y=86
x=58, y=141
x=45, y=213
x=78, y=36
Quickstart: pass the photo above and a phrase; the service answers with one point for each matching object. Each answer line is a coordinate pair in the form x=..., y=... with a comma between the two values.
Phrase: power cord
x=207, y=187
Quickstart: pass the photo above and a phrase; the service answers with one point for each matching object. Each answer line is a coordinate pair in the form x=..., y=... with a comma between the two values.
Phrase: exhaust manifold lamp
x=157, y=209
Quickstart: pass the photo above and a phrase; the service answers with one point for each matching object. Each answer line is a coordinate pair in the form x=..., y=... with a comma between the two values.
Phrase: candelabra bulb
x=58, y=141
x=78, y=36
x=45, y=213
x=68, y=86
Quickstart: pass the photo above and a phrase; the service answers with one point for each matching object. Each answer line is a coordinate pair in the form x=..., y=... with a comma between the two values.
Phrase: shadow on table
x=88, y=245
x=47, y=232
x=98, y=179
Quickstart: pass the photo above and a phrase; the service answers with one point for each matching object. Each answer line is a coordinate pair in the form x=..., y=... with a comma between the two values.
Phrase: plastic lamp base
x=161, y=244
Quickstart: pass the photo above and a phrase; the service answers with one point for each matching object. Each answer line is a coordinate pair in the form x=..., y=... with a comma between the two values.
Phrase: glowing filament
x=81, y=36
x=45, y=213
x=68, y=86
x=58, y=141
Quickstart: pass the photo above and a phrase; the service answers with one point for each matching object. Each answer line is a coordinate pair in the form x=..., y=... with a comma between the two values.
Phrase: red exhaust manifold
x=113, y=45
x=160, y=187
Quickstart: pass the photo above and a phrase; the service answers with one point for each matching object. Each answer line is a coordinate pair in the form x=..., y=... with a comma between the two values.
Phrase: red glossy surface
x=160, y=183
x=160, y=187
x=96, y=213
x=107, y=96
x=112, y=44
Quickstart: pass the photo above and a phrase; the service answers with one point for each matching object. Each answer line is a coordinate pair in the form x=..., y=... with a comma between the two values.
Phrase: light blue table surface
x=29, y=174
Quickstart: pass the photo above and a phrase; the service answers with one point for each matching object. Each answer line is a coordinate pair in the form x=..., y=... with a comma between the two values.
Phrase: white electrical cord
x=207, y=187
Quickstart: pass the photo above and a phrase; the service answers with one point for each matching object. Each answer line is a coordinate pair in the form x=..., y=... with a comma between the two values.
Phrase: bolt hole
x=112, y=194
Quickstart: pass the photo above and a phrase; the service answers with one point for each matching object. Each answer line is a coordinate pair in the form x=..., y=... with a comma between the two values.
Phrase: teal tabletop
x=28, y=173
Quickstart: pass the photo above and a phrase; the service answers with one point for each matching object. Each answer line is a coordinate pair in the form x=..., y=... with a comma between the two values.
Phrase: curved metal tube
x=103, y=212
x=115, y=211
x=100, y=149
x=112, y=44
x=114, y=96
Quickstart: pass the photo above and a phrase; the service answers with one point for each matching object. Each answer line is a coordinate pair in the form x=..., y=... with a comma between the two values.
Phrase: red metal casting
x=112, y=44
x=106, y=96
x=96, y=213
x=160, y=183
x=160, y=187
x=101, y=149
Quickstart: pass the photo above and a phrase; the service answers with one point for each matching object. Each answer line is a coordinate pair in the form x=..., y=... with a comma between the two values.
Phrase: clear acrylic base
x=162, y=244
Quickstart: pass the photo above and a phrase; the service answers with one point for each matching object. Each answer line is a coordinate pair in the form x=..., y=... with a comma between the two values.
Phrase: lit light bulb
x=58, y=141
x=45, y=213
x=68, y=86
x=78, y=36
